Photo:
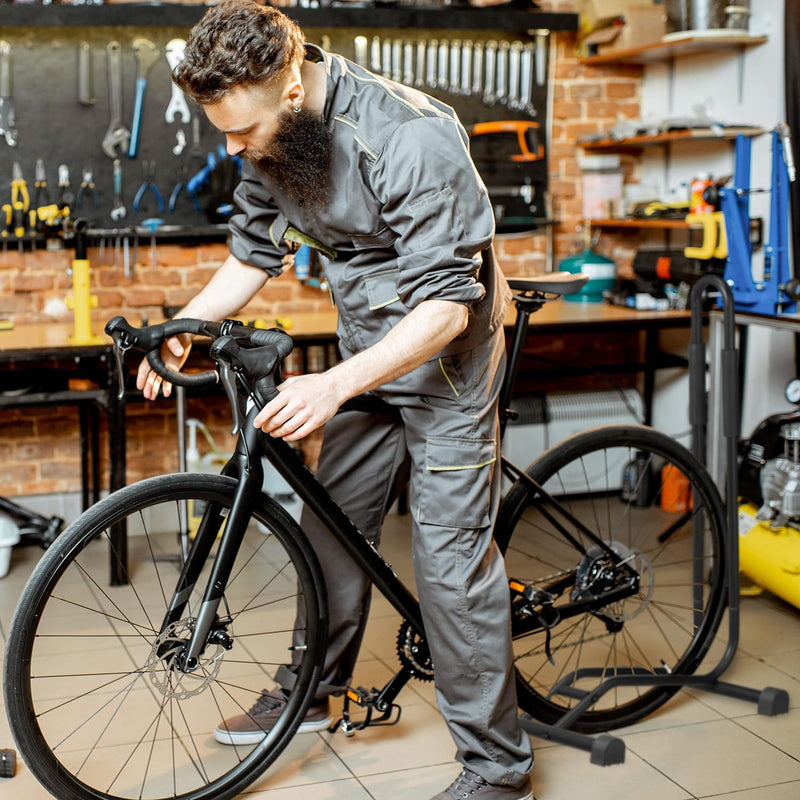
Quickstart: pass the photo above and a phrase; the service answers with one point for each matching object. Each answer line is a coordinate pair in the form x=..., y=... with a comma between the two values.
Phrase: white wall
x=736, y=89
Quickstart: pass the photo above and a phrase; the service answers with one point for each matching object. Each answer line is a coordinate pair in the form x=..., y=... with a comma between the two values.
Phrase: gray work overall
x=408, y=219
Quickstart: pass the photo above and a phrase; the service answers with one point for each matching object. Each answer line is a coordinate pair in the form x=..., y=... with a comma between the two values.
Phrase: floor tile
x=709, y=757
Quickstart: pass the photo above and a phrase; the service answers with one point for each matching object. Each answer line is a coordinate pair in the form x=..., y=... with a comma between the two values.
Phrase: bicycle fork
x=250, y=474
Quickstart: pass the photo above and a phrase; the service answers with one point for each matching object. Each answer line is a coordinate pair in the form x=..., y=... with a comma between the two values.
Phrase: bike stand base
x=605, y=750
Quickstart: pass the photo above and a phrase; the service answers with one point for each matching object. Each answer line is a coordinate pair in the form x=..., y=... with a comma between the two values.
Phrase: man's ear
x=294, y=93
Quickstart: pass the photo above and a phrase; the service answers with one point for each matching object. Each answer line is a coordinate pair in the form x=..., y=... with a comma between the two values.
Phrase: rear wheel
x=644, y=597
x=95, y=701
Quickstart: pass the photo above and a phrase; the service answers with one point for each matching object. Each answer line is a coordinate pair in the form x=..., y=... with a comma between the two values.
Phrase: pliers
x=41, y=194
x=148, y=182
x=182, y=174
x=64, y=196
x=87, y=186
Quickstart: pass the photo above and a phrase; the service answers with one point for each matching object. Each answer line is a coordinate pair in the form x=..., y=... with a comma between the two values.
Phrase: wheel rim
x=113, y=717
x=665, y=626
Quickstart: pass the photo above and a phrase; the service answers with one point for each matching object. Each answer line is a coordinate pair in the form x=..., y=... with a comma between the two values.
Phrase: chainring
x=412, y=650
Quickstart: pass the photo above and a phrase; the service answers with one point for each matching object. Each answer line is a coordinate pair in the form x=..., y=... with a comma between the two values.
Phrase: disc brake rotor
x=162, y=664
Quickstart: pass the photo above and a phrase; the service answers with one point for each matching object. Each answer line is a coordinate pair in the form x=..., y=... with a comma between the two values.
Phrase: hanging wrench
x=419, y=71
x=526, y=80
x=466, y=67
x=490, y=51
x=360, y=48
x=514, y=74
x=501, y=90
x=117, y=134
x=432, y=56
x=177, y=107
x=8, y=120
x=146, y=56
x=118, y=211
x=477, y=69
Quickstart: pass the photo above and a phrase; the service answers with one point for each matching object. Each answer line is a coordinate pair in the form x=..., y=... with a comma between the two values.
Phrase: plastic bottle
x=697, y=203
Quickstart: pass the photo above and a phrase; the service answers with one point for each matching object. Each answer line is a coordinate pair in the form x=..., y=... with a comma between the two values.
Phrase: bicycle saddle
x=551, y=283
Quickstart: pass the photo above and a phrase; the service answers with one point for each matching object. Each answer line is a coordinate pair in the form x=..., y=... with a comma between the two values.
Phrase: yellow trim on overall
x=447, y=378
x=465, y=466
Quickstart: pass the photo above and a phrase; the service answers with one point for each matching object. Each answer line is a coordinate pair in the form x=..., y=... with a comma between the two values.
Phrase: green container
x=602, y=274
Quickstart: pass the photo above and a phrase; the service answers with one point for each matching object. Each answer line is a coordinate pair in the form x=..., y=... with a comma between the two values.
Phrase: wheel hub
x=164, y=665
x=599, y=573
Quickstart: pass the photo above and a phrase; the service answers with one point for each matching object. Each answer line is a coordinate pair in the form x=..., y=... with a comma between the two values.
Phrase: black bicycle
x=613, y=541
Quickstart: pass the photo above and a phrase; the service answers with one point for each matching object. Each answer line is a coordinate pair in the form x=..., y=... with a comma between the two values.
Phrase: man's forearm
x=413, y=341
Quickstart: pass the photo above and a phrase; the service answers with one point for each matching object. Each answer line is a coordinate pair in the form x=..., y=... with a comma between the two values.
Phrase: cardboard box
x=644, y=24
x=600, y=13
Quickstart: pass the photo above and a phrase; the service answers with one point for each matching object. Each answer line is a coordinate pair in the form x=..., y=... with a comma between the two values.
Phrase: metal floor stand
x=606, y=749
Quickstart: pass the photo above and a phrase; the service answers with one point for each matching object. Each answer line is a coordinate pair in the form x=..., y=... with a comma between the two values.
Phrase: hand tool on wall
x=20, y=201
x=386, y=58
x=419, y=65
x=466, y=67
x=146, y=55
x=526, y=80
x=514, y=74
x=41, y=194
x=506, y=140
x=542, y=35
x=85, y=74
x=477, y=69
x=361, y=50
x=375, y=54
x=490, y=54
x=443, y=57
x=454, y=72
x=177, y=107
x=153, y=224
x=501, y=84
x=148, y=182
x=65, y=196
x=182, y=175
x=8, y=117
x=432, y=62
x=87, y=187
x=117, y=136
x=397, y=60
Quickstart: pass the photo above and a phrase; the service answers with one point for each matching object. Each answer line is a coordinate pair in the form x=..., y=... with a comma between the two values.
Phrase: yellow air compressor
x=769, y=510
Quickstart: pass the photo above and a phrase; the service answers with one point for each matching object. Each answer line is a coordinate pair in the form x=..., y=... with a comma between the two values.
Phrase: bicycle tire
x=610, y=479
x=110, y=718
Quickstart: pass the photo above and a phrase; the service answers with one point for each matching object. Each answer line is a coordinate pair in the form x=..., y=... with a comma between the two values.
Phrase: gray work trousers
x=444, y=443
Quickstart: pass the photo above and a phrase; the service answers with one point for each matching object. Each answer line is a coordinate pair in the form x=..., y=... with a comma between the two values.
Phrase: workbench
x=46, y=350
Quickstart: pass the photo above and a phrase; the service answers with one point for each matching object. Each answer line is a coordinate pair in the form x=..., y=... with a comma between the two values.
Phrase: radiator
x=545, y=420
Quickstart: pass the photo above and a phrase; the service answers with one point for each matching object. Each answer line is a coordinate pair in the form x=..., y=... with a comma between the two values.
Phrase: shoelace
x=466, y=784
x=265, y=703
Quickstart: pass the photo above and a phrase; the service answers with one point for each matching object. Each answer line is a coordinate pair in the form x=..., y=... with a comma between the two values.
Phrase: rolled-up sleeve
x=253, y=224
x=437, y=205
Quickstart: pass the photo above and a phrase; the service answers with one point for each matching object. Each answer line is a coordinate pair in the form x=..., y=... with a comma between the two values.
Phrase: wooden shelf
x=687, y=135
x=689, y=44
x=652, y=224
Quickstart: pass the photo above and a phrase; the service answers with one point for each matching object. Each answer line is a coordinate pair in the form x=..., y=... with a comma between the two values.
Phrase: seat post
x=525, y=307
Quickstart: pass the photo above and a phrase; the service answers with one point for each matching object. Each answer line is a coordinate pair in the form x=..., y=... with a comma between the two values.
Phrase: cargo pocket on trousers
x=456, y=486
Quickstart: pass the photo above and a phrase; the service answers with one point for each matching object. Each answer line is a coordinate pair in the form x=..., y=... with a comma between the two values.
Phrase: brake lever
x=120, y=348
x=227, y=378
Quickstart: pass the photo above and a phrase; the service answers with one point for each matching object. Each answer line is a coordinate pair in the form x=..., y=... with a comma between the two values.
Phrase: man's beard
x=298, y=157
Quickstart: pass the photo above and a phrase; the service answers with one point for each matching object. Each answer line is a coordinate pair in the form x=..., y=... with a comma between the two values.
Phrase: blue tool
x=777, y=291
x=148, y=182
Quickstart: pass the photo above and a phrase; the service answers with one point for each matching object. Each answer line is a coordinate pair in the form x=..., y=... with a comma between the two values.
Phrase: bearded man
x=377, y=176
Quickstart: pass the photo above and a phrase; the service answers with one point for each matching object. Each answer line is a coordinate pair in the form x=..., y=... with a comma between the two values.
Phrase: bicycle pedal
x=376, y=713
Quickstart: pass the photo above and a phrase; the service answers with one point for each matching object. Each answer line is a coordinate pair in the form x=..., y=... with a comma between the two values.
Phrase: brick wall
x=39, y=447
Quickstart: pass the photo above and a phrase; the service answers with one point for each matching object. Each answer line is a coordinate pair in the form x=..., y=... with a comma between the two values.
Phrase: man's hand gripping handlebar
x=247, y=356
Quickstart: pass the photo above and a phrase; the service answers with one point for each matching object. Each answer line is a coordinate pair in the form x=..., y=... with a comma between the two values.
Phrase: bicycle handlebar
x=255, y=352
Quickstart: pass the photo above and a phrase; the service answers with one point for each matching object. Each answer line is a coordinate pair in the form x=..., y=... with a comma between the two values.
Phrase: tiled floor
x=700, y=745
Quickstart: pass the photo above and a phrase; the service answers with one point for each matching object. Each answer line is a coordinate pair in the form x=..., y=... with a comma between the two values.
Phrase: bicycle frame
x=245, y=466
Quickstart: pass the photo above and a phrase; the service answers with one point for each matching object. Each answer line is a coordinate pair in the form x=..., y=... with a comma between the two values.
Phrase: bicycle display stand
x=606, y=749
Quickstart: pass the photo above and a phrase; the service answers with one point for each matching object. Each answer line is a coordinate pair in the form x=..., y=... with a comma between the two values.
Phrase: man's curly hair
x=237, y=43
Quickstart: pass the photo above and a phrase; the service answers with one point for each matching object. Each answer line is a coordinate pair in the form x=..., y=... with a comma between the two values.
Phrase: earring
x=297, y=109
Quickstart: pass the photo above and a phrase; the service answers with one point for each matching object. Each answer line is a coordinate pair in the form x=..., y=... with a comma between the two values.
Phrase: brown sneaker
x=469, y=785
x=252, y=726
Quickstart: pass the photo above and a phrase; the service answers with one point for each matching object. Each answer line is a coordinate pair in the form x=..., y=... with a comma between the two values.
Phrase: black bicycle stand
x=606, y=749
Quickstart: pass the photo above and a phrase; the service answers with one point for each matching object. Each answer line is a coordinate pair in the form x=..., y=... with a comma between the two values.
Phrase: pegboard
x=55, y=127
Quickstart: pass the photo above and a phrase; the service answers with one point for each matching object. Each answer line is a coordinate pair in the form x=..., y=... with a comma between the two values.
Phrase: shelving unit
x=688, y=43
x=687, y=135
x=644, y=224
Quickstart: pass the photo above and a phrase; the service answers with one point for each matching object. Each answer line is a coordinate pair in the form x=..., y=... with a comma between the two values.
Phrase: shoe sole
x=224, y=736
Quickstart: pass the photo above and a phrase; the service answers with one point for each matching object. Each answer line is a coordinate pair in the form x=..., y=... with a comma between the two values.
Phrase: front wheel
x=96, y=700
x=621, y=575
